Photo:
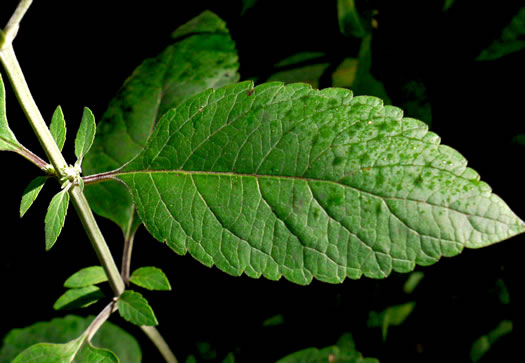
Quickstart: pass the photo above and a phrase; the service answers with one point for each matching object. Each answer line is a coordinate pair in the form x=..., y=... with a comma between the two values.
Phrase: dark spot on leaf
x=337, y=161
x=250, y=92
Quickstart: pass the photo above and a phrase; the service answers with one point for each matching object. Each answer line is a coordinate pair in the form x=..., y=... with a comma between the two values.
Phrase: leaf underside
x=133, y=307
x=78, y=298
x=151, y=278
x=203, y=56
x=289, y=181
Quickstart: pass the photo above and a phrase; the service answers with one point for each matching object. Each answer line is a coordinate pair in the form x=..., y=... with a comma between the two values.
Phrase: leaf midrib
x=302, y=178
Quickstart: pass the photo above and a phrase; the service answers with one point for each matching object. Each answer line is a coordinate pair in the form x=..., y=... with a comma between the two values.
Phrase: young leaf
x=203, y=56
x=349, y=21
x=391, y=316
x=289, y=181
x=31, y=193
x=85, y=135
x=61, y=330
x=483, y=344
x=47, y=352
x=343, y=351
x=511, y=40
x=8, y=140
x=55, y=217
x=135, y=309
x=78, y=298
x=87, y=276
x=151, y=278
x=58, y=127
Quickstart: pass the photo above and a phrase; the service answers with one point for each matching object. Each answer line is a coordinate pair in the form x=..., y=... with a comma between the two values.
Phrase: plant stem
x=11, y=29
x=126, y=257
x=12, y=67
x=101, y=319
x=160, y=343
x=28, y=155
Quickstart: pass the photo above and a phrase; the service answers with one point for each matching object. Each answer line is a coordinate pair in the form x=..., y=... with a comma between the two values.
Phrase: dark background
x=78, y=53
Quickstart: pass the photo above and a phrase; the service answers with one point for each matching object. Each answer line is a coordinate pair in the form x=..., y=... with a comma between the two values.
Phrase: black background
x=78, y=53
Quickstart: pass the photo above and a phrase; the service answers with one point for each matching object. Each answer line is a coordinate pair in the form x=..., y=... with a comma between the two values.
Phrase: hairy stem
x=160, y=343
x=101, y=319
x=21, y=150
x=11, y=29
x=12, y=67
x=126, y=257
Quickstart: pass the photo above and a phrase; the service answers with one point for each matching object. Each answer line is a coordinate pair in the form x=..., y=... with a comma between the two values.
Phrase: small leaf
x=90, y=353
x=274, y=320
x=391, y=316
x=511, y=40
x=483, y=344
x=87, y=276
x=349, y=20
x=134, y=308
x=344, y=351
x=55, y=217
x=31, y=193
x=61, y=330
x=151, y=278
x=8, y=140
x=47, y=352
x=58, y=127
x=413, y=280
x=78, y=298
x=85, y=134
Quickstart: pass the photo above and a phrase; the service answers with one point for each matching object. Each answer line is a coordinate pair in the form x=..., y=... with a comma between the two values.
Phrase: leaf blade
x=78, y=298
x=151, y=278
x=55, y=217
x=87, y=276
x=31, y=193
x=85, y=134
x=134, y=308
x=58, y=128
x=315, y=169
x=62, y=330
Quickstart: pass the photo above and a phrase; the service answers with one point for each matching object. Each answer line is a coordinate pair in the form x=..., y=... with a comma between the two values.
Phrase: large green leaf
x=290, y=181
x=203, y=56
x=62, y=330
x=7, y=138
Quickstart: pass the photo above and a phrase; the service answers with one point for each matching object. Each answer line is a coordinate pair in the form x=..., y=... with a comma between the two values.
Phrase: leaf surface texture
x=290, y=181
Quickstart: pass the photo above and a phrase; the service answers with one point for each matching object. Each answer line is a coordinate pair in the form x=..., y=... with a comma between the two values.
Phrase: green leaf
x=344, y=351
x=511, y=40
x=289, y=181
x=134, y=308
x=203, y=56
x=85, y=135
x=447, y=4
x=55, y=217
x=391, y=316
x=89, y=353
x=274, y=320
x=483, y=344
x=78, y=298
x=151, y=278
x=31, y=193
x=412, y=281
x=349, y=21
x=62, y=330
x=58, y=127
x=8, y=140
x=50, y=353
x=87, y=276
